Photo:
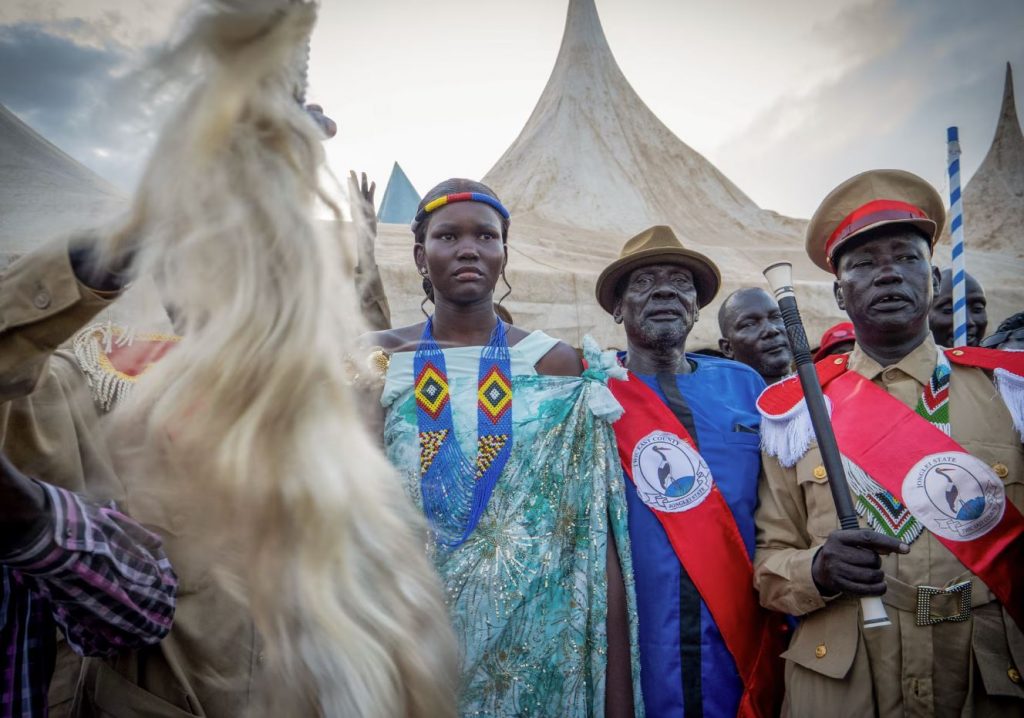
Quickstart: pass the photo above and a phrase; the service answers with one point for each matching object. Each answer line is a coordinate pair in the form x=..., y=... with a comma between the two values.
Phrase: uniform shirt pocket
x=827, y=640
x=813, y=481
x=744, y=437
x=1007, y=462
x=990, y=640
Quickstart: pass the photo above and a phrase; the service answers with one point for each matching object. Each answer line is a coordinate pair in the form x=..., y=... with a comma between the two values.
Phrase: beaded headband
x=435, y=204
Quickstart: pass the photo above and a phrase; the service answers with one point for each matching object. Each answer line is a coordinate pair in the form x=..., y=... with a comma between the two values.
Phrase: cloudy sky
x=787, y=98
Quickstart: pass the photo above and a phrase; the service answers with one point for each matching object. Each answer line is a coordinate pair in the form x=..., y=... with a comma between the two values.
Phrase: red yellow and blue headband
x=435, y=204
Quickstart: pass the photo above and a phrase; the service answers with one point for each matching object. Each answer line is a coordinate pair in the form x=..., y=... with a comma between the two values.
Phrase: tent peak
x=994, y=196
x=1008, y=122
x=398, y=206
x=593, y=155
x=1007, y=146
x=583, y=29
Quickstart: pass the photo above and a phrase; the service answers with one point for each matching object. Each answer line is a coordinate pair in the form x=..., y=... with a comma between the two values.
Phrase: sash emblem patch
x=669, y=475
x=955, y=495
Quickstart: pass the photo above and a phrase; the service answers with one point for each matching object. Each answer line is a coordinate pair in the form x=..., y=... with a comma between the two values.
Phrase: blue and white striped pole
x=956, y=225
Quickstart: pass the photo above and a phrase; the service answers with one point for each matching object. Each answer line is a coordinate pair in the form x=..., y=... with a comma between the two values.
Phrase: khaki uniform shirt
x=48, y=422
x=50, y=428
x=833, y=666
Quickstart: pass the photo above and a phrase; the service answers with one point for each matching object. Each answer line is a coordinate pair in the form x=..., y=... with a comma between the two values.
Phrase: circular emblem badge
x=955, y=495
x=669, y=475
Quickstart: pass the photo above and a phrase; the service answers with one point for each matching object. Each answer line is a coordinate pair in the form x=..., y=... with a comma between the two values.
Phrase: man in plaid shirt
x=89, y=569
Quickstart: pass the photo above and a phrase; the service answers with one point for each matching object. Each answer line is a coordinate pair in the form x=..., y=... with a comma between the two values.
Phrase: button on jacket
x=49, y=426
x=833, y=665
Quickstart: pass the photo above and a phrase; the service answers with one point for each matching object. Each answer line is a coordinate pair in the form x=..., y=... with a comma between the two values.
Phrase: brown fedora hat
x=867, y=201
x=658, y=245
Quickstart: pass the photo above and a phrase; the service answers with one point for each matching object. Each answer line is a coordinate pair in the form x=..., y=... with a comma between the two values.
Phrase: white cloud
x=786, y=98
x=128, y=23
x=69, y=91
x=920, y=66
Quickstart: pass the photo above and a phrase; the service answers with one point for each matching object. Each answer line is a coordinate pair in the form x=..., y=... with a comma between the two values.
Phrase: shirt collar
x=919, y=364
x=695, y=362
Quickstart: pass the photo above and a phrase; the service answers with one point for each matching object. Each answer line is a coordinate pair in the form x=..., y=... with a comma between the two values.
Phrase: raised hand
x=369, y=286
x=329, y=126
x=361, y=191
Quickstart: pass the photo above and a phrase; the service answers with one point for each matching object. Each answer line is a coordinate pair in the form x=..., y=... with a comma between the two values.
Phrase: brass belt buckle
x=924, y=603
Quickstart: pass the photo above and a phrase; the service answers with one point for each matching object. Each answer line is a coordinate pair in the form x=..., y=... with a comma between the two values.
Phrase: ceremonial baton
x=780, y=279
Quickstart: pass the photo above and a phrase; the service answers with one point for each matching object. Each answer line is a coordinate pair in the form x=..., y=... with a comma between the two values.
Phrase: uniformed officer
x=937, y=471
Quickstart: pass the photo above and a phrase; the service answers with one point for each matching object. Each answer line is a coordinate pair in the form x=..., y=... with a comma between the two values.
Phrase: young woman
x=509, y=453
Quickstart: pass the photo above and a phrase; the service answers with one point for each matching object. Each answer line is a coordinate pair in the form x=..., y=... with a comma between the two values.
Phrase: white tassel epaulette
x=1011, y=388
x=90, y=347
x=94, y=348
x=788, y=436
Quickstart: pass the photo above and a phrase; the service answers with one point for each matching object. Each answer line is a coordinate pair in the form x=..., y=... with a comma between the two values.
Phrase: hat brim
x=816, y=251
x=706, y=277
x=903, y=197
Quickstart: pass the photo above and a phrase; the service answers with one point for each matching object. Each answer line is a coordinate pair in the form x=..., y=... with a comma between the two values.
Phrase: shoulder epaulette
x=990, y=359
x=780, y=398
x=113, y=358
x=1008, y=371
x=786, y=430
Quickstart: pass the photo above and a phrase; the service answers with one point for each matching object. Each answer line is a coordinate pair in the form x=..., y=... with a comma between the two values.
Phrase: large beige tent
x=993, y=201
x=994, y=197
x=43, y=191
x=594, y=165
x=44, y=194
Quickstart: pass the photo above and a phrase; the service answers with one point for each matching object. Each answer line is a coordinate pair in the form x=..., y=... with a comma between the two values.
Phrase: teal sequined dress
x=527, y=591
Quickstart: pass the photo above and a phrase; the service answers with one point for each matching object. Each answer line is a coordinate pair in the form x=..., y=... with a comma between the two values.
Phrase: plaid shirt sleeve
x=107, y=580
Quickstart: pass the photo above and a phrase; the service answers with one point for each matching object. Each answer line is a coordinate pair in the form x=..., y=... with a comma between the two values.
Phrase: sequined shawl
x=527, y=592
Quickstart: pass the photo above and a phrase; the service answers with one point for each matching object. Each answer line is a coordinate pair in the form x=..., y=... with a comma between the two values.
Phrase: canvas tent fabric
x=43, y=191
x=993, y=201
x=398, y=206
x=592, y=166
x=994, y=196
x=592, y=154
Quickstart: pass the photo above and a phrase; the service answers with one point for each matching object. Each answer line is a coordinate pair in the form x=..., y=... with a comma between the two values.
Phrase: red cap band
x=875, y=211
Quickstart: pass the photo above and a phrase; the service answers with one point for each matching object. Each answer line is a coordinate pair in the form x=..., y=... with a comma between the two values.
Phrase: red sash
x=889, y=440
x=709, y=546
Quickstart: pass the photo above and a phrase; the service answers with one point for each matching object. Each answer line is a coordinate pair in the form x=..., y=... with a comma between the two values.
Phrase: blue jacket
x=673, y=631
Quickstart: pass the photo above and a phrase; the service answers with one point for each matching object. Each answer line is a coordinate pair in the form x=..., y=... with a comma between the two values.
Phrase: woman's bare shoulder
x=401, y=339
x=561, y=360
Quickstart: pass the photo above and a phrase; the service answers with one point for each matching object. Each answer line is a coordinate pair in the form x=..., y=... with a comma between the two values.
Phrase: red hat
x=869, y=200
x=841, y=332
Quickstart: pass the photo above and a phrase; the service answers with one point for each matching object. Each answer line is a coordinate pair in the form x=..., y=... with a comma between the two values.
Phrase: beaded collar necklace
x=455, y=489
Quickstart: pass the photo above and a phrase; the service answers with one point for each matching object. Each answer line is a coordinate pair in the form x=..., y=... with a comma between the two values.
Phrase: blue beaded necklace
x=456, y=490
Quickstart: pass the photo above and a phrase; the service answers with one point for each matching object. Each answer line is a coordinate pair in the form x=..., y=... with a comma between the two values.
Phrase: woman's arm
x=619, y=685
x=562, y=360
